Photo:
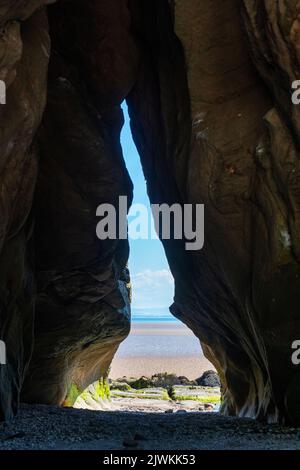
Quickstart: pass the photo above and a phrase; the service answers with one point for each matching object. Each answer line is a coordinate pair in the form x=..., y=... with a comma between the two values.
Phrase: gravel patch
x=47, y=427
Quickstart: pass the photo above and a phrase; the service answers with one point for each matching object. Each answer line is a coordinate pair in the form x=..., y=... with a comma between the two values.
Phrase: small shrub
x=122, y=386
x=142, y=382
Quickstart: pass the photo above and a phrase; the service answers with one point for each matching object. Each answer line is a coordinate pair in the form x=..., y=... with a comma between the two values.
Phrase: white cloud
x=152, y=278
x=152, y=288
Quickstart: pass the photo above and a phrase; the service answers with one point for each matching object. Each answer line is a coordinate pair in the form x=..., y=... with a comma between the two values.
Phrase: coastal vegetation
x=163, y=387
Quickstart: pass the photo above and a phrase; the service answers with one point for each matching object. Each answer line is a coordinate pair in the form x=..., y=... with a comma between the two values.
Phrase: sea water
x=155, y=332
x=152, y=315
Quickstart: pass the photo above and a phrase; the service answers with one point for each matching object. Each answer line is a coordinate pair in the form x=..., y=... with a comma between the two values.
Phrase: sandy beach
x=159, y=347
x=190, y=366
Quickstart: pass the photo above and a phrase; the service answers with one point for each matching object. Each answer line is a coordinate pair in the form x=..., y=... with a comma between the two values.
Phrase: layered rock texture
x=208, y=86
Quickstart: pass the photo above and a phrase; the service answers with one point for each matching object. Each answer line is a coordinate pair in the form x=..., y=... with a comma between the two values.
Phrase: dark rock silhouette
x=209, y=378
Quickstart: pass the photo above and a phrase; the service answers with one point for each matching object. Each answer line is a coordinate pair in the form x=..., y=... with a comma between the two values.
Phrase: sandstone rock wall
x=208, y=85
x=82, y=308
x=24, y=55
x=235, y=150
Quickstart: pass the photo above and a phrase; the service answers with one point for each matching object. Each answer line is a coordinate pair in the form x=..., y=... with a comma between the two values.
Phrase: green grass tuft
x=99, y=390
x=214, y=399
x=72, y=395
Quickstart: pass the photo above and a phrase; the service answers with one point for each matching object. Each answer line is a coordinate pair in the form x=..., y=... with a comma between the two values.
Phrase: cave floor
x=144, y=405
x=48, y=427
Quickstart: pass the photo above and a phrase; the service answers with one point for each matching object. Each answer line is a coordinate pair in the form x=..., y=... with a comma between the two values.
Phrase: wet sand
x=159, y=347
x=189, y=366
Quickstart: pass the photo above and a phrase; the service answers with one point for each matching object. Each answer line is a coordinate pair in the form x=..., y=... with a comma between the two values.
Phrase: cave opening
x=160, y=352
x=147, y=254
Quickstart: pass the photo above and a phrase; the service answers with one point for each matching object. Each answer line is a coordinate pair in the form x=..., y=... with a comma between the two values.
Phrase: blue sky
x=152, y=282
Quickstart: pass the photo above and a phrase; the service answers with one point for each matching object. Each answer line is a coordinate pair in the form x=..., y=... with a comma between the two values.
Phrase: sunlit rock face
x=208, y=85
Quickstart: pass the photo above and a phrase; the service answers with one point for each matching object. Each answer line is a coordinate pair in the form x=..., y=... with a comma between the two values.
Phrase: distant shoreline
x=150, y=319
x=160, y=328
x=152, y=315
x=139, y=355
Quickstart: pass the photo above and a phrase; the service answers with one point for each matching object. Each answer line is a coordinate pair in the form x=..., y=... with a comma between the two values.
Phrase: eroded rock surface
x=82, y=308
x=226, y=136
x=208, y=85
x=24, y=54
